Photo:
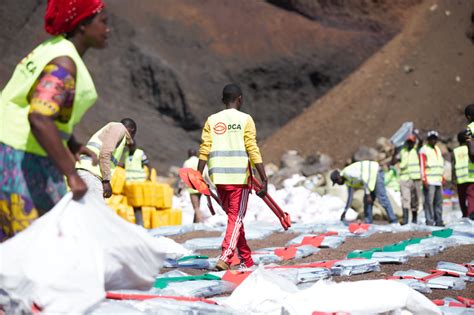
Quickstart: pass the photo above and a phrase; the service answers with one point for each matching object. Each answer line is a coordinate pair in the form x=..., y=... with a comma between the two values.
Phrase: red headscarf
x=62, y=16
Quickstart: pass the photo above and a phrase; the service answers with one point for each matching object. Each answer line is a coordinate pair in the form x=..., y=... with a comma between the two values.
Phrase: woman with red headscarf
x=47, y=95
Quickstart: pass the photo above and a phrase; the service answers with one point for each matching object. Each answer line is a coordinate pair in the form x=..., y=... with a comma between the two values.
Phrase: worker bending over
x=228, y=143
x=108, y=144
x=369, y=176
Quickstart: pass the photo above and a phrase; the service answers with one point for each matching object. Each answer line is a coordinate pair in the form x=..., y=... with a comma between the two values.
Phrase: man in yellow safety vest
x=461, y=174
x=469, y=113
x=369, y=176
x=432, y=169
x=108, y=144
x=410, y=179
x=228, y=146
x=135, y=163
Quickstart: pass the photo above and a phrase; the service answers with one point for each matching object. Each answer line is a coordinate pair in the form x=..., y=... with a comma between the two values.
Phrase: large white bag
x=66, y=260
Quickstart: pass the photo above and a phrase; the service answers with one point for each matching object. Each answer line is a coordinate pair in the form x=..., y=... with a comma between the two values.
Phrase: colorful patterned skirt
x=30, y=185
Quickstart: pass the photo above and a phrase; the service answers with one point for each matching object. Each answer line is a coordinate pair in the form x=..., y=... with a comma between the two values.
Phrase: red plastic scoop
x=193, y=179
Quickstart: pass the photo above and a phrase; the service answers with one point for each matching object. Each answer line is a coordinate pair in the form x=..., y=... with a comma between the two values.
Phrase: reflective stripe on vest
x=228, y=159
x=409, y=164
x=434, y=165
x=15, y=129
x=461, y=165
x=362, y=173
x=95, y=145
x=134, y=167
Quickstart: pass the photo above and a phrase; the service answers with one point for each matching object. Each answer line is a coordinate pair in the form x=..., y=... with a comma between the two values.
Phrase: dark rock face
x=168, y=60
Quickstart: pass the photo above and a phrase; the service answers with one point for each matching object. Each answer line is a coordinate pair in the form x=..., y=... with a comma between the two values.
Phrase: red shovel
x=193, y=179
x=284, y=217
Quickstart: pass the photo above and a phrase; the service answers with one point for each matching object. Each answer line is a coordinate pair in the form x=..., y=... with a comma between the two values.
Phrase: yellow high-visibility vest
x=461, y=165
x=228, y=159
x=361, y=174
x=15, y=129
x=434, y=164
x=470, y=165
x=95, y=145
x=409, y=164
x=134, y=170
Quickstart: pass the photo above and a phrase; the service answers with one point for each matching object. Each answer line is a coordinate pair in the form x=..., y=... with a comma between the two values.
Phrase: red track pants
x=234, y=202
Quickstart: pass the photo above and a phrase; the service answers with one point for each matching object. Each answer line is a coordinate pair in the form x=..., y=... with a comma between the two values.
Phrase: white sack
x=264, y=292
x=66, y=260
x=360, y=297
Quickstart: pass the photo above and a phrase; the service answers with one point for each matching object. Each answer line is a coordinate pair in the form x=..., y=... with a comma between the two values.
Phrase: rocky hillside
x=424, y=74
x=168, y=60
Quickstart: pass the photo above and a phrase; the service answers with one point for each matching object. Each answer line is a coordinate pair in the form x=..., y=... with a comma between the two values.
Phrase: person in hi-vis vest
x=469, y=113
x=410, y=179
x=460, y=171
x=135, y=163
x=195, y=196
x=432, y=177
x=47, y=95
x=367, y=175
x=108, y=144
x=228, y=147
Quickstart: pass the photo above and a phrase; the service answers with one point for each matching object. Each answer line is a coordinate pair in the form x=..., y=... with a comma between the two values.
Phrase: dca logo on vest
x=220, y=128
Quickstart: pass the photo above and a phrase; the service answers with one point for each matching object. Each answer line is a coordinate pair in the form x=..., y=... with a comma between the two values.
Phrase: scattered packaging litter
x=304, y=275
x=158, y=306
x=390, y=257
x=204, y=243
x=422, y=250
x=415, y=284
x=436, y=282
x=348, y=267
x=466, y=272
x=195, y=261
x=458, y=306
x=194, y=288
x=332, y=241
x=198, y=288
x=115, y=307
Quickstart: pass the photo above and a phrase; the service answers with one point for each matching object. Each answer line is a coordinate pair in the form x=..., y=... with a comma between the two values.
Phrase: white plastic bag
x=66, y=260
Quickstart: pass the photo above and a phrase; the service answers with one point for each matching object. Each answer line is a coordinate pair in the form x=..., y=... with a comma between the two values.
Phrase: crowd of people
x=51, y=89
x=420, y=175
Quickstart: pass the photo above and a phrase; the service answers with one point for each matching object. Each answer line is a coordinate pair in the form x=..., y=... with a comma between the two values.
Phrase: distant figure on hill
x=367, y=175
x=229, y=146
x=108, y=144
x=432, y=169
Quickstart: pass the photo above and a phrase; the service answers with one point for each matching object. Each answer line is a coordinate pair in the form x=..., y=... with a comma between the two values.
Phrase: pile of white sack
x=303, y=204
x=66, y=260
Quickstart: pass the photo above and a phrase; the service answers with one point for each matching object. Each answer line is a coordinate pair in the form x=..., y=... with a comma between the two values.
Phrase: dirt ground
x=461, y=254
